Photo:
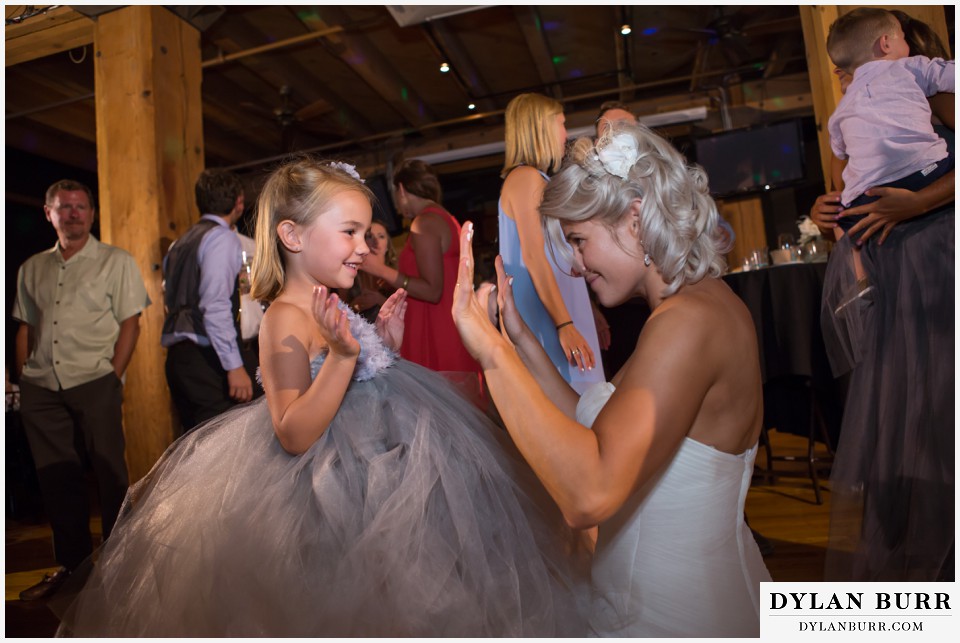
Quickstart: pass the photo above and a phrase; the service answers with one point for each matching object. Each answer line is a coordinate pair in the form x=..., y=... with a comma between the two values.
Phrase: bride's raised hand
x=479, y=336
x=390, y=319
x=333, y=323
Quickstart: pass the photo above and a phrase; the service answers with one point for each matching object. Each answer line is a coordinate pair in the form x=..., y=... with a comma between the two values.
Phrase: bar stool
x=815, y=462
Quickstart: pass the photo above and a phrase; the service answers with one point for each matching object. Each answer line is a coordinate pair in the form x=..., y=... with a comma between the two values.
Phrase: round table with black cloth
x=784, y=302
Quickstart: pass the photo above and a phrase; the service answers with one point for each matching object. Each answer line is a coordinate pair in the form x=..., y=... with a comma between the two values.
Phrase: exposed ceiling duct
x=487, y=149
x=407, y=15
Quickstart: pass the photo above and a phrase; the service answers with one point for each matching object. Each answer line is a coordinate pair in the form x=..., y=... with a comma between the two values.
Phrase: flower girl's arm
x=302, y=409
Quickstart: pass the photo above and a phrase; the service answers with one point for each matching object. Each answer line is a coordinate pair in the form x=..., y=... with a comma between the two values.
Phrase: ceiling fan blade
x=313, y=110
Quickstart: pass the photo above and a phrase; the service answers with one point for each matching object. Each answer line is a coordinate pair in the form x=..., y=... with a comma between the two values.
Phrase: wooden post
x=150, y=152
x=815, y=21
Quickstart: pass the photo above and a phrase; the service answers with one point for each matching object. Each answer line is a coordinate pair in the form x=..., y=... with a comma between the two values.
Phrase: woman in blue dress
x=552, y=300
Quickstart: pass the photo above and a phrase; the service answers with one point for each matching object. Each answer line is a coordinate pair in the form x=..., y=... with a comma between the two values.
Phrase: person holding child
x=892, y=319
x=362, y=496
x=882, y=123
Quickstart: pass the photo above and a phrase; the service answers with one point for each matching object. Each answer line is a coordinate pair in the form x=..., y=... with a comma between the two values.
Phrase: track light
x=471, y=106
x=625, y=30
x=444, y=67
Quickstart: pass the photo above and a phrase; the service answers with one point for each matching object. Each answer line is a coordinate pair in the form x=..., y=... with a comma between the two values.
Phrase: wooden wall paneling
x=150, y=146
x=745, y=216
x=373, y=67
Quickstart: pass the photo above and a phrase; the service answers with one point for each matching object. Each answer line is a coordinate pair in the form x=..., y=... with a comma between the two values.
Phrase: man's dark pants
x=55, y=422
x=198, y=384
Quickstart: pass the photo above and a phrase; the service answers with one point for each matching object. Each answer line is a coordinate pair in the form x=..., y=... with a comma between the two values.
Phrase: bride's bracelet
x=566, y=323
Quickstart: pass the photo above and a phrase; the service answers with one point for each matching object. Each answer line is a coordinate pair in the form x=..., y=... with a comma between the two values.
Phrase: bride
x=661, y=456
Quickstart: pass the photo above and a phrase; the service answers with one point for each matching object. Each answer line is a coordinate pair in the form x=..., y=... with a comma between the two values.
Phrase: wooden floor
x=785, y=513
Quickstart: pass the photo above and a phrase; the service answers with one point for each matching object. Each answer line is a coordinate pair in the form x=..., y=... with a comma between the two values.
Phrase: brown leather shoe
x=47, y=587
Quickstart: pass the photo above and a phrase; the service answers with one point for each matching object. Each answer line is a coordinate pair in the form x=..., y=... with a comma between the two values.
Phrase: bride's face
x=605, y=258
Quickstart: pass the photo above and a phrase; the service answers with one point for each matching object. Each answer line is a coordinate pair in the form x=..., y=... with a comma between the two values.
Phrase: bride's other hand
x=390, y=319
x=510, y=319
x=470, y=316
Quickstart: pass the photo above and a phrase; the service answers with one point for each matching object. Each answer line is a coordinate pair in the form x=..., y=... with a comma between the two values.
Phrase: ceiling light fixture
x=488, y=149
x=444, y=67
x=625, y=30
x=471, y=106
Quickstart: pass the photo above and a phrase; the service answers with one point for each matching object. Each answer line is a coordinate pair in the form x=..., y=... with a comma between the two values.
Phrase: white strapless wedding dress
x=678, y=559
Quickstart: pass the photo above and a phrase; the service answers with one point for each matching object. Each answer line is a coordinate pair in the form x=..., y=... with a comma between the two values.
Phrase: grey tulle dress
x=412, y=515
x=893, y=487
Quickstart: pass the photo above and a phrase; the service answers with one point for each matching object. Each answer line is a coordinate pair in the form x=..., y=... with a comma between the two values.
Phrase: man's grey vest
x=181, y=296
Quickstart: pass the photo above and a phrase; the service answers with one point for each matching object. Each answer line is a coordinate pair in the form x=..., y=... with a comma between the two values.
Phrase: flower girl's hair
x=298, y=191
x=678, y=218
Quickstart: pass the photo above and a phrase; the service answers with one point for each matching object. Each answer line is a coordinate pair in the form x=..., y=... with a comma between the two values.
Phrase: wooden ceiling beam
x=238, y=136
x=264, y=69
x=60, y=29
x=373, y=68
x=462, y=63
x=530, y=24
x=53, y=144
x=224, y=148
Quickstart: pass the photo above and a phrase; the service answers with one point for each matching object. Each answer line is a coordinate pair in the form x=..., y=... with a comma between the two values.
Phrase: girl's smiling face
x=333, y=243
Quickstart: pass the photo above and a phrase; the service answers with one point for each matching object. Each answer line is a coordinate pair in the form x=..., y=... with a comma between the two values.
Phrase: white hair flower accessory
x=349, y=169
x=619, y=154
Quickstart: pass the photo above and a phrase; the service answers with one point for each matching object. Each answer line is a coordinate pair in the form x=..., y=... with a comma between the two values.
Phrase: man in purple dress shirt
x=204, y=367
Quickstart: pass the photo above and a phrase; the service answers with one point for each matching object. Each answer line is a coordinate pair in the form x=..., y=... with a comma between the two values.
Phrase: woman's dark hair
x=922, y=40
x=418, y=178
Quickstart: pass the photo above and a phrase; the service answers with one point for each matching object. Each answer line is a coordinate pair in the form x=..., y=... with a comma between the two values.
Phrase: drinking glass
x=759, y=258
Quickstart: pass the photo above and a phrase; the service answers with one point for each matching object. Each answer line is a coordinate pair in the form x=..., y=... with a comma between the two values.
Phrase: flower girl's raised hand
x=333, y=323
x=390, y=319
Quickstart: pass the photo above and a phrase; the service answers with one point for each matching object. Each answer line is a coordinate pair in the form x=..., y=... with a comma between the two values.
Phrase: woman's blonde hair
x=679, y=222
x=531, y=134
x=298, y=191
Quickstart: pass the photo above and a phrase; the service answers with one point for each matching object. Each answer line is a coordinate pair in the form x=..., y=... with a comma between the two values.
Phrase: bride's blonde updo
x=678, y=219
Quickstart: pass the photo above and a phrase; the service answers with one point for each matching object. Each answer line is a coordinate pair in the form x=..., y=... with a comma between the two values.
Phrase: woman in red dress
x=427, y=270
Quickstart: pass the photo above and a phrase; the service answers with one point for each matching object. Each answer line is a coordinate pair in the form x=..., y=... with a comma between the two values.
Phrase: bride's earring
x=646, y=255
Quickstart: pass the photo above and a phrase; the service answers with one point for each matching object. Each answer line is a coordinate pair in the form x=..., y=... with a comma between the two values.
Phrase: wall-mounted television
x=756, y=158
